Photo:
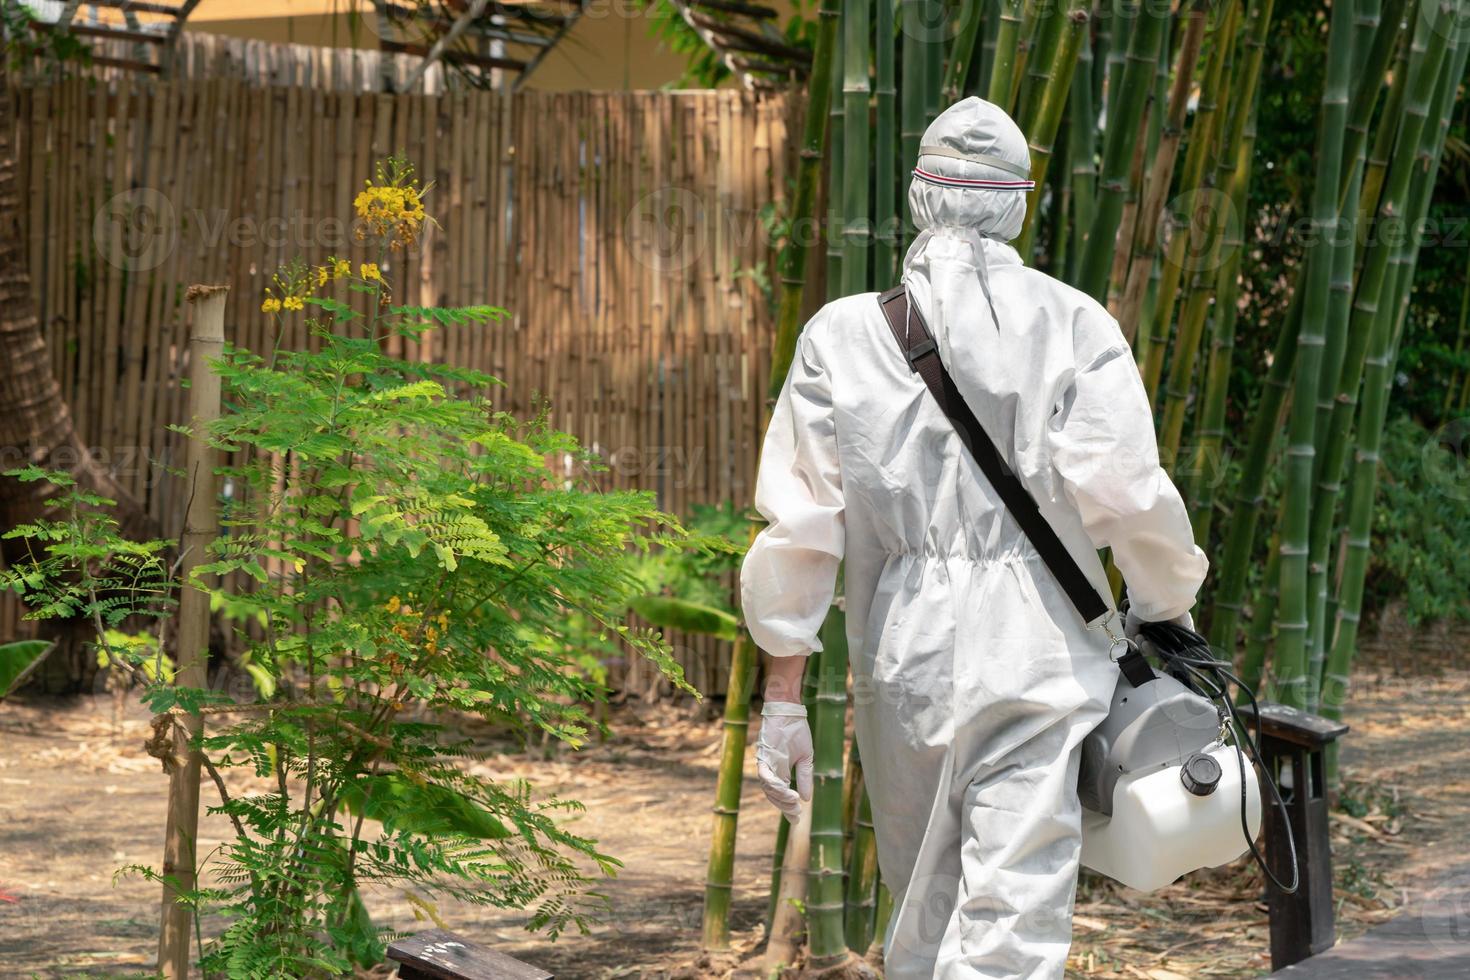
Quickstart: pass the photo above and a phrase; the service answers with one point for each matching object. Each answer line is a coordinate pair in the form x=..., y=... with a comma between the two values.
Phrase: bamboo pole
x=933, y=52
x=1042, y=124
x=793, y=259
x=1118, y=146
x=719, y=880
x=825, y=893
x=962, y=50
x=1161, y=173
x=862, y=879
x=886, y=167
x=1003, y=67
x=1081, y=153
x=1209, y=466
x=835, y=225
x=854, y=173
x=1386, y=40
x=782, y=947
x=1187, y=237
x=1377, y=386
x=1291, y=660
x=201, y=527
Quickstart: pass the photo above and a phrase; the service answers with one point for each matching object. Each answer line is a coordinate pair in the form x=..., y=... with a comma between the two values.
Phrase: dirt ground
x=79, y=799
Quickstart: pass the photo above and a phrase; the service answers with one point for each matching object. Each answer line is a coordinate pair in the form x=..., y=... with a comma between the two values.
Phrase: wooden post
x=1294, y=743
x=206, y=341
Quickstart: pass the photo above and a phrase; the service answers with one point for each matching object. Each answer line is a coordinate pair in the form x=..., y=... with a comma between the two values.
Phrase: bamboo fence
x=622, y=231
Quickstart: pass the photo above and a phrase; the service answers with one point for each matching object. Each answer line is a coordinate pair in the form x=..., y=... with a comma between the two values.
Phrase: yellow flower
x=271, y=305
x=369, y=270
x=322, y=275
x=393, y=604
x=293, y=303
x=392, y=206
x=340, y=268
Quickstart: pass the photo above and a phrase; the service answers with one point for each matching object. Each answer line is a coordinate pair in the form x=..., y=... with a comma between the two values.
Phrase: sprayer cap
x=1200, y=774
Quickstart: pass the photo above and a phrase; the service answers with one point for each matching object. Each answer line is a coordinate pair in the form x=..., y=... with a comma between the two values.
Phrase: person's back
x=974, y=679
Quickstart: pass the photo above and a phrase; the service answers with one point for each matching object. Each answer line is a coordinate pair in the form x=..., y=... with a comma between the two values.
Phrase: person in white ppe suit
x=974, y=678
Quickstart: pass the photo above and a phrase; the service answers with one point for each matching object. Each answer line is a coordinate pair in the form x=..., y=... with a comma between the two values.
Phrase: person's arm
x=1103, y=444
x=783, y=678
x=789, y=575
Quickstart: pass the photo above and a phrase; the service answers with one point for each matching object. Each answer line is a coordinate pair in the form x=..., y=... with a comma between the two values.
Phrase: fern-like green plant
x=396, y=557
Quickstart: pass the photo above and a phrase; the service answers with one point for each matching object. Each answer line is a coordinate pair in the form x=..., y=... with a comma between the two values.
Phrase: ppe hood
x=973, y=172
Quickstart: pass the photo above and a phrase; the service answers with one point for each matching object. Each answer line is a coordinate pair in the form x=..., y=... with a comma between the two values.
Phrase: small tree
x=396, y=556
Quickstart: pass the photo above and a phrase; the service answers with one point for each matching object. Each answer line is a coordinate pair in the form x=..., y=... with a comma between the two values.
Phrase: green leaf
x=692, y=617
x=429, y=810
x=18, y=659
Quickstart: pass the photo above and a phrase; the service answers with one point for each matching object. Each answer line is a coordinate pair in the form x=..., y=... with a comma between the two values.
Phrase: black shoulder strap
x=923, y=356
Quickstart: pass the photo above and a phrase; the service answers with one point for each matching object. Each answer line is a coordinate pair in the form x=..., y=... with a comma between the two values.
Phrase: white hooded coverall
x=974, y=678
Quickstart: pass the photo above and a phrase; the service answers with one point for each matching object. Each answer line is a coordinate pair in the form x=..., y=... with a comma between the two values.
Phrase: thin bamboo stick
x=181, y=831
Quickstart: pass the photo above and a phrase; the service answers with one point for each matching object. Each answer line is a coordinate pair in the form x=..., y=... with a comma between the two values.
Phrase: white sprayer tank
x=1159, y=830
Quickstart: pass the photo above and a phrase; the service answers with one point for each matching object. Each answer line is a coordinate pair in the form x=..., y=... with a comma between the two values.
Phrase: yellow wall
x=609, y=48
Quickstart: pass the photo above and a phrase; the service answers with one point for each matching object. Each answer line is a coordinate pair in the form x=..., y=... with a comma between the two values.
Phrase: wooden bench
x=441, y=955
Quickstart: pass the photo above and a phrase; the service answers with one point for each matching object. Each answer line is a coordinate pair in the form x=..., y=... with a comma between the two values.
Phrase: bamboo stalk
x=886, y=167
x=1377, y=387
x=828, y=944
x=782, y=946
x=1033, y=62
x=1007, y=40
x=835, y=227
x=1081, y=152
x=912, y=121
x=1187, y=238
x=1263, y=621
x=1041, y=127
x=1386, y=39
x=1369, y=308
x=1209, y=466
x=719, y=879
x=201, y=527
x=962, y=51
x=1161, y=173
x=854, y=173
x=1293, y=686
x=933, y=50
x=862, y=879
x=1249, y=492
x=1330, y=459
x=793, y=259
x=1122, y=130
x=979, y=78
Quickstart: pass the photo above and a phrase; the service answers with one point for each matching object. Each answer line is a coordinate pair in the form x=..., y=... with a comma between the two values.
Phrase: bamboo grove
x=1141, y=122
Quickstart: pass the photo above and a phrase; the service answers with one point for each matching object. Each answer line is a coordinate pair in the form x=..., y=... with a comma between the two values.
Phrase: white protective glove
x=785, y=741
